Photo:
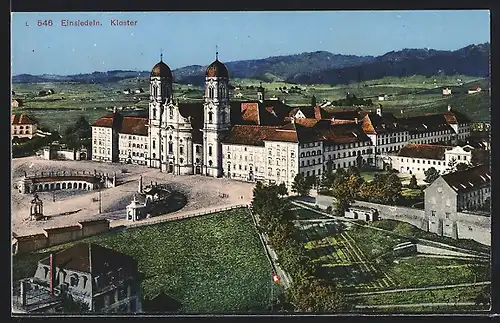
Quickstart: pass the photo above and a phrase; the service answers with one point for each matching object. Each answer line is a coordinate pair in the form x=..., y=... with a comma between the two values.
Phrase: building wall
x=441, y=136
x=345, y=155
x=275, y=162
x=24, y=130
x=416, y=166
x=311, y=158
x=50, y=238
x=133, y=149
x=102, y=144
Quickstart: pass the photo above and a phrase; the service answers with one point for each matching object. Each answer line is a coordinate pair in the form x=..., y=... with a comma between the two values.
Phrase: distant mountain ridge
x=314, y=67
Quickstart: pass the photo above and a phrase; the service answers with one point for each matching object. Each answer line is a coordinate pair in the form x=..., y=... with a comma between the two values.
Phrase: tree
x=431, y=174
x=413, y=182
x=312, y=295
x=301, y=185
x=462, y=166
x=452, y=166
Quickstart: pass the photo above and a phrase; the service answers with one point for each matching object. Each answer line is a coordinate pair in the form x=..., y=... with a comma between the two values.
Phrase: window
x=210, y=163
x=170, y=147
x=447, y=215
x=210, y=151
x=228, y=155
x=171, y=113
x=73, y=280
x=198, y=149
x=154, y=144
x=211, y=92
x=154, y=113
x=210, y=116
x=223, y=117
x=181, y=150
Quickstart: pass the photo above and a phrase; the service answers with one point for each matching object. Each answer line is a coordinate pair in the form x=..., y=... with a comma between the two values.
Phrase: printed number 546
x=44, y=23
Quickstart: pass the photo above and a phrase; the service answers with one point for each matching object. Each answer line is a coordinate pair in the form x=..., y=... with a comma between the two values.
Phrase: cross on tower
x=216, y=52
x=161, y=55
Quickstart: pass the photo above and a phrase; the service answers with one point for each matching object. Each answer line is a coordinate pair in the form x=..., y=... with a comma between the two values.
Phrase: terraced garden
x=362, y=259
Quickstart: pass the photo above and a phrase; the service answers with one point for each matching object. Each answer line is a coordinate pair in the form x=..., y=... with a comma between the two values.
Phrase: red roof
x=21, y=119
x=135, y=126
x=423, y=151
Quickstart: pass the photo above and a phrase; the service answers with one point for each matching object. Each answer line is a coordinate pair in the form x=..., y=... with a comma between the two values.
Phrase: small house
x=474, y=90
x=383, y=97
x=361, y=213
x=446, y=91
x=126, y=91
x=139, y=91
x=16, y=103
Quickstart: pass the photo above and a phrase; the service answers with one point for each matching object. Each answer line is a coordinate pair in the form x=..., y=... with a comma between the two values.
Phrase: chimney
x=52, y=273
x=449, y=107
x=379, y=110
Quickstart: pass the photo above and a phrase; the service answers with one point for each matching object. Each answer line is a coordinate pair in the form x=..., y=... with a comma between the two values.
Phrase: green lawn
x=211, y=264
x=425, y=271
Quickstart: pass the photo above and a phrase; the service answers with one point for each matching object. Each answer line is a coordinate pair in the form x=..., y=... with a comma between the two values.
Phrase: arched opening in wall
x=40, y=188
x=70, y=186
x=210, y=163
x=89, y=187
x=28, y=189
x=63, y=186
x=80, y=185
x=170, y=167
x=210, y=116
x=84, y=186
x=46, y=187
x=58, y=186
x=83, y=156
x=198, y=170
x=52, y=186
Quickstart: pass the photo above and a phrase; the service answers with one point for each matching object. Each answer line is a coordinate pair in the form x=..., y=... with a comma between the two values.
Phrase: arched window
x=211, y=92
x=171, y=113
x=170, y=147
x=210, y=116
x=155, y=90
x=154, y=113
x=223, y=117
x=210, y=163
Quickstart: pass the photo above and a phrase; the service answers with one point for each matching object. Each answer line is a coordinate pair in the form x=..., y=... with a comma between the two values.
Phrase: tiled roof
x=91, y=258
x=105, y=121
x=306, y=122
x=90, y=179
x=21, y=119
x=423, y=151
x=135, y=126
x=469, y=179
x=341, y=133
x=251, y=135
x=267, y=113
x=425, y=123
x=375, y=124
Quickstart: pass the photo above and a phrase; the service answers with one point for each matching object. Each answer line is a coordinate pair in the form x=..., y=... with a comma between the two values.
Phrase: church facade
x=258, y=140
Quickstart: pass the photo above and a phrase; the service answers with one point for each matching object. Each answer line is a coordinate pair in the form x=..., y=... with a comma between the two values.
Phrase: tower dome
x=162, y=70
x=217, y=69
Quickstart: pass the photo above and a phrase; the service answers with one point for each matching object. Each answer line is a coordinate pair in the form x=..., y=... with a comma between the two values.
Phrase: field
x=406, y=96
x=211, y=264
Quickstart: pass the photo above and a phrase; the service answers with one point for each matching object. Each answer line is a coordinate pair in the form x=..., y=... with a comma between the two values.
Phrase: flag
x=276, y=279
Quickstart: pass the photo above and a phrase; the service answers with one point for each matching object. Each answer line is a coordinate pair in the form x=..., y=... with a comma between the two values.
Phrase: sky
x=190, y=38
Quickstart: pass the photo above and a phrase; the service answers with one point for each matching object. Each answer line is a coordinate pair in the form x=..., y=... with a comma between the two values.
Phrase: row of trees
x=308, y=293
x=348, y=185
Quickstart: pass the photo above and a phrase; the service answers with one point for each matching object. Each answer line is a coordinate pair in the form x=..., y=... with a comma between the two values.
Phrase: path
x=172, y=216
x=415, y=305
x=419, y=289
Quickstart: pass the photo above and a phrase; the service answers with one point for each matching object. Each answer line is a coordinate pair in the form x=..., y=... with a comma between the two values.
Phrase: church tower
x=217, y=113
x=161, y=95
